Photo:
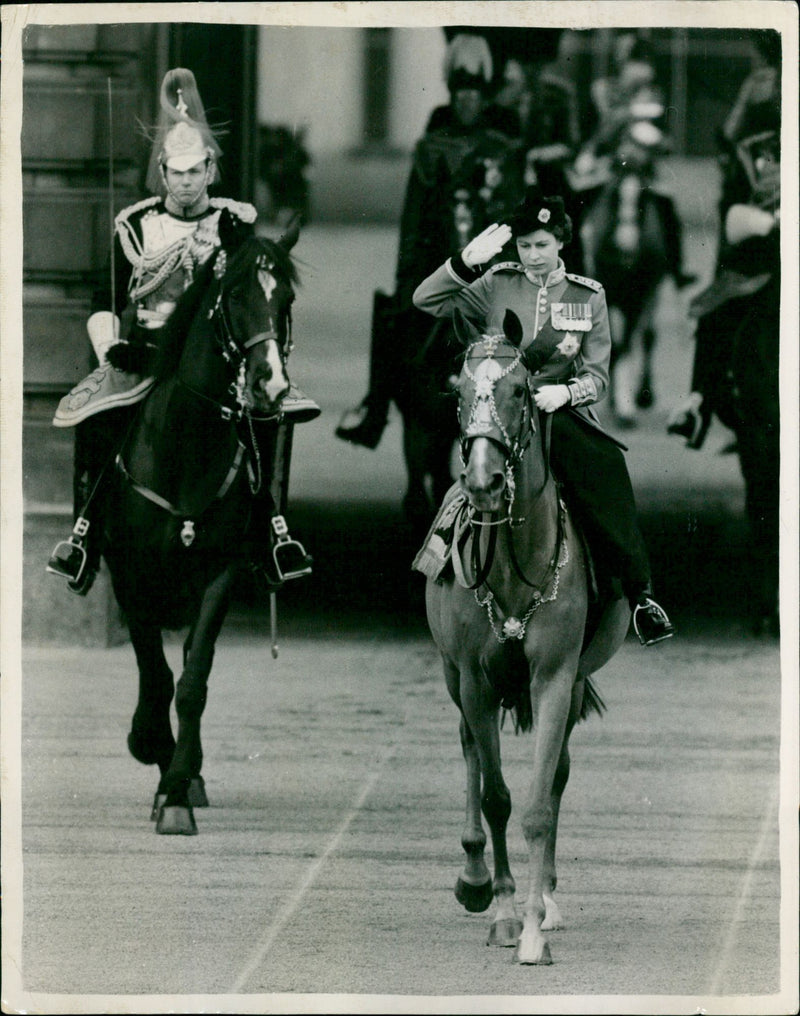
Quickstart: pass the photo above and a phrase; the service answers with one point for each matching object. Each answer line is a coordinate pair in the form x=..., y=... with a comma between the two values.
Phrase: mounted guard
x=159, y=245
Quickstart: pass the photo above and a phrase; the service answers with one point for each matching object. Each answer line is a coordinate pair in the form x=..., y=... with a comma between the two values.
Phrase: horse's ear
x=290, y=237
x=464, y=328
x=512, y=327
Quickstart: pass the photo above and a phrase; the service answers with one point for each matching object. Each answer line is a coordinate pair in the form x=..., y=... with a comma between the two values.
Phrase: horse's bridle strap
x=261, y=337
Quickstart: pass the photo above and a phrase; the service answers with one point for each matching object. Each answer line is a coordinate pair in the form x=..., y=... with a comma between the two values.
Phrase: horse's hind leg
x=190, y=699
x=553, y=921
x=197, y=787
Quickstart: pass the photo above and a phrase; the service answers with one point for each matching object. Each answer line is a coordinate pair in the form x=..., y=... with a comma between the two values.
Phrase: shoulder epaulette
x=240, y=209
x=127, y=212
x=583, y=281
x=507, y=266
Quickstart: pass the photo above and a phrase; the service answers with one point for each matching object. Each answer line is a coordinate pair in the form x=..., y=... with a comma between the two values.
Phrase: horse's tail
x=592, y=702
x=521, y=711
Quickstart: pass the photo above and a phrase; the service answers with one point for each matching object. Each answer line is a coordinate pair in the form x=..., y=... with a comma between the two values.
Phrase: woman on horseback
x=566, y=345
x=160, y=243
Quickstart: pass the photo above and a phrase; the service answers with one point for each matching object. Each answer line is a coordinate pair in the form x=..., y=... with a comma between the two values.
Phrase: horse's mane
x=173, y=335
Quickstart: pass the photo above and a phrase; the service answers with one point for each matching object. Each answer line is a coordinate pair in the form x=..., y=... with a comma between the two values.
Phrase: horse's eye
x=518, y=391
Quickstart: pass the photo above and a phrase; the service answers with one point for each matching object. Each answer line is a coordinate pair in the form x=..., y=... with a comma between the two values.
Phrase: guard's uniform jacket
x=565, y=332
x=156, y=256
x=157, y=253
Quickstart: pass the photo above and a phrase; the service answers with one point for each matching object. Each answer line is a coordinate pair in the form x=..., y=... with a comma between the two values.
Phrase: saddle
x=451, y=530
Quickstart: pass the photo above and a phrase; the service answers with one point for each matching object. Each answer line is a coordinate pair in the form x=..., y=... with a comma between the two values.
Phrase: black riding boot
x=77, y=559
x=273, y=555
x=364, y=424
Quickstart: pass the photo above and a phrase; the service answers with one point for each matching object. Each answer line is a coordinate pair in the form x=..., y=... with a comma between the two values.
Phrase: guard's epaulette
x=144, y=203
x=240, y=209
x=583, y=281
x=508, y=266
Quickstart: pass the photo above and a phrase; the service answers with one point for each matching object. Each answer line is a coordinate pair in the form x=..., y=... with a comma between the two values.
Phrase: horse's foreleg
x=150, y=740
x=622, y=366
x=190, y=700
x=417, y=503
x=645, y=334
x=481, y=712
x=474, y=886
x=539, y=821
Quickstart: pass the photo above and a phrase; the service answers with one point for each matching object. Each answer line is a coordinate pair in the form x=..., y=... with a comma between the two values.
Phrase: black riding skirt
x=593, y=474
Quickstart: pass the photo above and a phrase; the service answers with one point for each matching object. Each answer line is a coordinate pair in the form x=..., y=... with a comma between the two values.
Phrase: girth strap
x=162, y=502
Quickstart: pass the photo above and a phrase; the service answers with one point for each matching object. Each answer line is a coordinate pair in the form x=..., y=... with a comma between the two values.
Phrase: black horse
x=182, y=493
x=631, y=239
x=737, y=371
x=427, y=357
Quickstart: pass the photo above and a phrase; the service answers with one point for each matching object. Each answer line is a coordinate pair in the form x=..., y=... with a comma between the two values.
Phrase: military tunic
x=157, y=254
x=571, y=305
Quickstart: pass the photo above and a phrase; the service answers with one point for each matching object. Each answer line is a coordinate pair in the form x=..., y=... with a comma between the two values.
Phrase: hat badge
x=544, y=215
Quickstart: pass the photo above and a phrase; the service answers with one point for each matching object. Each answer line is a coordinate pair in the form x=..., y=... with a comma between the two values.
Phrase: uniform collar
x=557, y=275
x=187, y=218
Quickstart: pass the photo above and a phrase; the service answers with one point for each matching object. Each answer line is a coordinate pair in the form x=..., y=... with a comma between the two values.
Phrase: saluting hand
x=549, y=398
x=486, y=245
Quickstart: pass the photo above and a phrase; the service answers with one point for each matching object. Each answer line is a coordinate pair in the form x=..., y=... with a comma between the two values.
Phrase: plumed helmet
x=536, y=211
x=468, y=63
x=183, y=137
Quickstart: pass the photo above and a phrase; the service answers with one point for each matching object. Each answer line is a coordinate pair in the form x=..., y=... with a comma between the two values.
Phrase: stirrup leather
x=74, y=543
x=289, y=555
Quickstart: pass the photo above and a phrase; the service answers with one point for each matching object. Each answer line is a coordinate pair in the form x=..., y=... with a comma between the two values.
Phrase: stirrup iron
x=296, y=562
x=74, y=543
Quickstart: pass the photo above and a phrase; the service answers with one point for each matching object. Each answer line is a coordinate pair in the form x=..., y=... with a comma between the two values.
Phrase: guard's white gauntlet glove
x=103, y=329
x=486, y=245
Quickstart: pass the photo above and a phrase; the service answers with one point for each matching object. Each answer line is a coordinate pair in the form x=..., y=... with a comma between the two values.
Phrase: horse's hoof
x=474, y=898
x=505, y=933
x=197, y=793
x=529, y=957
x=158, y=804
x=174, y=820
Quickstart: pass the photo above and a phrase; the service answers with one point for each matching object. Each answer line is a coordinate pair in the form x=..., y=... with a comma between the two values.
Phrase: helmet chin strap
x=184, y=208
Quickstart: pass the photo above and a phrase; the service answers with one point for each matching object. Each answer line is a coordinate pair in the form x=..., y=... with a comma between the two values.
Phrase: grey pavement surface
x=326, y=861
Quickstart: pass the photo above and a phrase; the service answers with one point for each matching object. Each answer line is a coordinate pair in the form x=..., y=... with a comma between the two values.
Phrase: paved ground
x=326, y=861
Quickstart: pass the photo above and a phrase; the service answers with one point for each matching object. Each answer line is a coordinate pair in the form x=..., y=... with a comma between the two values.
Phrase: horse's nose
x=484, y=488
x=274, y=390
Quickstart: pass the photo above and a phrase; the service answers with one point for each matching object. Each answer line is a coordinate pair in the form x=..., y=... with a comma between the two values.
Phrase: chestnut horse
x=512, y=626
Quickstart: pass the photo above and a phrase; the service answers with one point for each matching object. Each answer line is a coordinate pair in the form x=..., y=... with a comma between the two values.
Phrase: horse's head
x=495, y=410
x=238, y=339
